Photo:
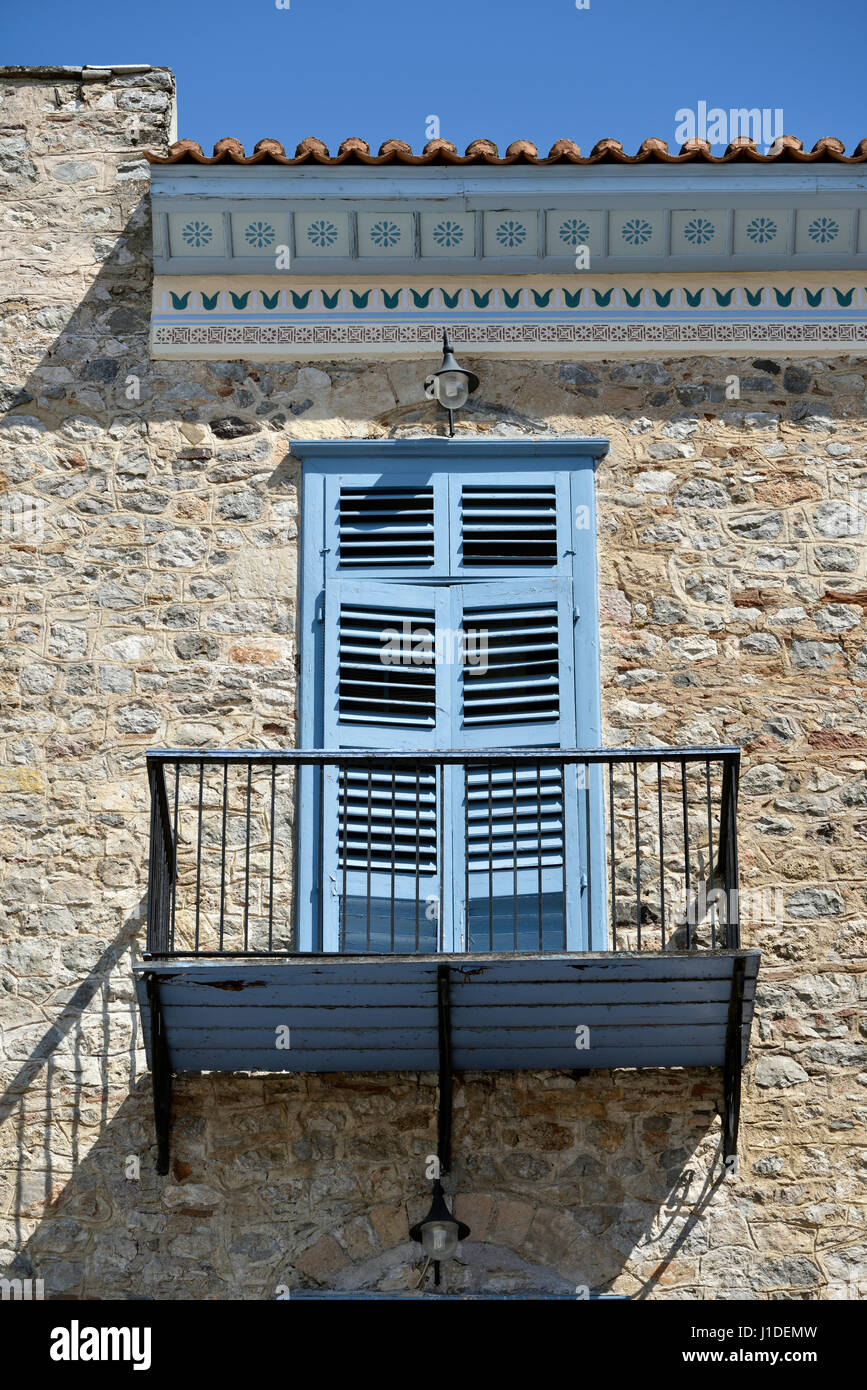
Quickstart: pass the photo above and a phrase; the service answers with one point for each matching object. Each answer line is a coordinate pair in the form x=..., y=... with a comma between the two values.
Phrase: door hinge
x=320, y=610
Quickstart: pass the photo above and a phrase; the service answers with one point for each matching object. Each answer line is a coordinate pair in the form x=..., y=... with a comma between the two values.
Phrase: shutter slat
x=386, y=526
x=518, y=679
x=509, y=526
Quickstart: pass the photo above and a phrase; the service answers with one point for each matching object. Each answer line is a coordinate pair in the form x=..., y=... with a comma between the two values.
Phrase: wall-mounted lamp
x=439, y=1232
x=452, y=385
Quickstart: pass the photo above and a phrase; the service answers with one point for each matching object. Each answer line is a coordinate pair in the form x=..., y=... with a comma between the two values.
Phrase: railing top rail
x=377, y=757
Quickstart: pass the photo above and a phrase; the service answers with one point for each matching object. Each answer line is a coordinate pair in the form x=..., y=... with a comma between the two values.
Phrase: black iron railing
x=257, y=852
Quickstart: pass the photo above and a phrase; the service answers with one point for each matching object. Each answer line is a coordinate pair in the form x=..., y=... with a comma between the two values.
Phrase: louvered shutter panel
x=504, y=525
x=385, y=691
x=510, y=524
x=496, y=549
x=518, y=842
x=393, y=526
x=386, y=526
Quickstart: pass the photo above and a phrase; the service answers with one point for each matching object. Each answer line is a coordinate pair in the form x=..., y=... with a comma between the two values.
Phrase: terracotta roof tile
x=789, y=150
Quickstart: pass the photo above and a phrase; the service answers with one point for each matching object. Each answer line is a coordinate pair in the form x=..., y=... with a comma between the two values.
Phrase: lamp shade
x=439, y=1232
x=452, y=389
x=454, y=384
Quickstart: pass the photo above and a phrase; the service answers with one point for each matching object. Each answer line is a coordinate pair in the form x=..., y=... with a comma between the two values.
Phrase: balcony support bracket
x=161, y=1074
x=444, y=1125
x=733, y=1064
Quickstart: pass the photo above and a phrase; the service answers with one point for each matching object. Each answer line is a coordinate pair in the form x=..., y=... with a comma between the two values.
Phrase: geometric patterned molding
x=235, y=316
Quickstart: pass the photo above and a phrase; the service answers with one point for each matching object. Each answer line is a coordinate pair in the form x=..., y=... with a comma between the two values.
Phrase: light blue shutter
x=393, y=526
x=516, y=839
x=495, y=551
x=383, y=851
x=510, y=524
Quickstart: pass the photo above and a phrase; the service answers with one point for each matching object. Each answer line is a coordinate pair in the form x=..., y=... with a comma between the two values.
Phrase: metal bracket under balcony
x=575, y=1012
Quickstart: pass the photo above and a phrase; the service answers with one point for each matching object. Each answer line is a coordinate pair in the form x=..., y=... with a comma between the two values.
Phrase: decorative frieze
x=446, y=220
x=240, y=316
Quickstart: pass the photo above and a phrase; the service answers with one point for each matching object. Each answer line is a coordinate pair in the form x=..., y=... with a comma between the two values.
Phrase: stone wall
x=147, y=597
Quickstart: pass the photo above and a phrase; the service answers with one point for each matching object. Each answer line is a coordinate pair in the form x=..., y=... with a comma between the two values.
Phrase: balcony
x=497, y=910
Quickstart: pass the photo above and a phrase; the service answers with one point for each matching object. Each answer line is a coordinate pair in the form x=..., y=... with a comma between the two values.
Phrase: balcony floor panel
x=508, y=1012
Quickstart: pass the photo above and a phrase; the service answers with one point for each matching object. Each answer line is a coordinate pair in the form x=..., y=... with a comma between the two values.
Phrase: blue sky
x=494, y=68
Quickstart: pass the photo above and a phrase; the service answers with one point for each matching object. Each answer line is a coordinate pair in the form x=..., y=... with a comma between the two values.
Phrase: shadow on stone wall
x=283, y=1181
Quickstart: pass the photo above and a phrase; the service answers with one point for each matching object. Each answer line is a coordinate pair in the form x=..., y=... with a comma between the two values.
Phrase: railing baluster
x=394, y=829
x=686, y=855
x=271, y=861
x=199, y=855
x=611, y=856
x=637, y=854
x=247, y=862
x=490, y=856
x=175, y=842
x=710, y=873
x=223, y=850
x=564, y=924
x=728, y=851
x=343, y=792
x=589, y=856
x=438, y=842
x=369, y=855
x=661, y=852
x=465, y=943
x=153, y=934
x=417, y=848
x=515, y=856
x=539, y=849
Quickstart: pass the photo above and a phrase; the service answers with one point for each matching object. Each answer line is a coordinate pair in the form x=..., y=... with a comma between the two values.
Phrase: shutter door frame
x=443, y=464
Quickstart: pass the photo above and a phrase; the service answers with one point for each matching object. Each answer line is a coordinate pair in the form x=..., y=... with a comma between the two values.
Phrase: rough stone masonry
x=147, y=597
